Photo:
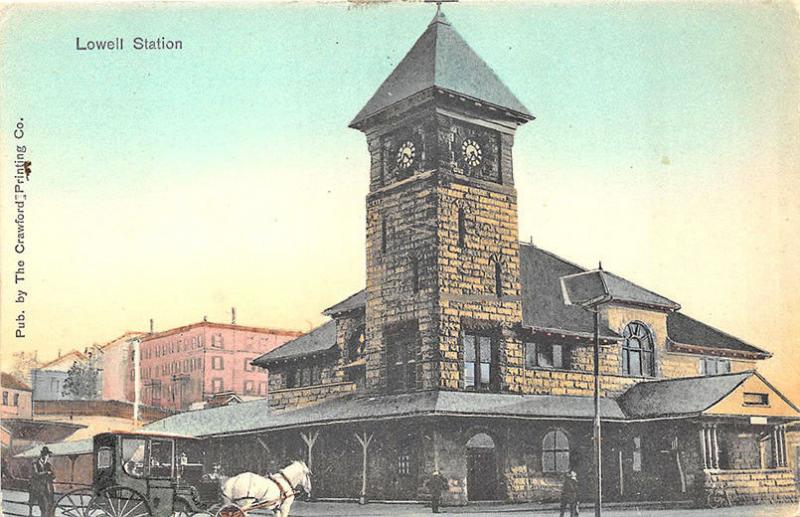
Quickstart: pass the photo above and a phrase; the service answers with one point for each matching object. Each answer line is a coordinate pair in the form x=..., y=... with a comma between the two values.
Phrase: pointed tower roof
x=442, y=59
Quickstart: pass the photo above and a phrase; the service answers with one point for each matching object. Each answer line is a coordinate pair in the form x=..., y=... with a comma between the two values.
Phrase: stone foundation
x=750, y=486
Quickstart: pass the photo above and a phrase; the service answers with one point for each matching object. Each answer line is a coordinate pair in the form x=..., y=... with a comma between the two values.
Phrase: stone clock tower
x=443, y=273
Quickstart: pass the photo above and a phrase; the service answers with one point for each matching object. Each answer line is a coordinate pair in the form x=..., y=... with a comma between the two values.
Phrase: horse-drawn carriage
x=154, y=475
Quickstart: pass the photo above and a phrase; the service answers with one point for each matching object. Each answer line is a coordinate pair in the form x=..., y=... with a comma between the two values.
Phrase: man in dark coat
x=436, y=484
x=569, y=494
x=41, y=489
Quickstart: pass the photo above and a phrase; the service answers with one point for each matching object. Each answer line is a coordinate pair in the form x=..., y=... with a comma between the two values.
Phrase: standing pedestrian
x=436, y=484
x=41, y=489
x=569, y=494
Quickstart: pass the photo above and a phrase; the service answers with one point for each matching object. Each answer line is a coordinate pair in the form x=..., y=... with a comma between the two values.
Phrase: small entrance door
x=481, y=468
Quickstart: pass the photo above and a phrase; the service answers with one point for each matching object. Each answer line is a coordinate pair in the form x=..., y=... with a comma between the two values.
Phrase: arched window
x=462, y=230
x=637, y=350
x=555, y=451
x=414, y=274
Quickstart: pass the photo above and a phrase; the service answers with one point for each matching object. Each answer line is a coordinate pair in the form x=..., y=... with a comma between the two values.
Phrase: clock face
x=472, y=152
x=406, y=154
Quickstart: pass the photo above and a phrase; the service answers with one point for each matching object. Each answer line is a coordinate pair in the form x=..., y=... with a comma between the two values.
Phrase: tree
x=82, y=382
x=22, y=365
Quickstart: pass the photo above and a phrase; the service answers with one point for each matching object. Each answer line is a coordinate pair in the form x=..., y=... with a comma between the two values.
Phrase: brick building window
x=714, y=366
x=16, y=399
x=555, y=451
x=248, y=387
x=356, y=343
x=217, y=385
x=217, y=363
x=638, y=351
x=544, y=355
x=478, y=362
x=5, y=398
x=262, y=388
x=216, y=340
x=401, y=358
x=248, y=367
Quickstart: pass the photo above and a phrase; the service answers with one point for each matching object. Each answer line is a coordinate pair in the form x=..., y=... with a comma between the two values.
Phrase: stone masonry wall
x=467, y=283
x=297, y=397
x=750, y=486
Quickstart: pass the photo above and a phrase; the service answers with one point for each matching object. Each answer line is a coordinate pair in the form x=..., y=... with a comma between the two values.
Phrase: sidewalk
x=319, y=509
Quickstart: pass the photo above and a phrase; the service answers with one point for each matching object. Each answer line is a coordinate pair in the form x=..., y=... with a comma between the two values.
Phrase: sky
x=173, y=185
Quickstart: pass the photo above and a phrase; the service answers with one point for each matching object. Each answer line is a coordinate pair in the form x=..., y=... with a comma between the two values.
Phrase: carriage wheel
x=119, y=501
x=74, y=503
x=230, y=510
x=183, y=508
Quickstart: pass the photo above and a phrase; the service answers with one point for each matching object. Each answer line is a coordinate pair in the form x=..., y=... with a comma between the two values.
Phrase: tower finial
x=600, y=265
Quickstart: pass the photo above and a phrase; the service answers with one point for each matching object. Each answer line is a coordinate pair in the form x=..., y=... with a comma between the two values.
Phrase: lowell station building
x=460, y=354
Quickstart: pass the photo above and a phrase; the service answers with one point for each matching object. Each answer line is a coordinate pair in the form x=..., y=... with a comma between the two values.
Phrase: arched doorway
x=481, y=468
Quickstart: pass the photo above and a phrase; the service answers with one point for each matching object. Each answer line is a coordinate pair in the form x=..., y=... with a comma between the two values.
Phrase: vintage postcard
x=400, y=258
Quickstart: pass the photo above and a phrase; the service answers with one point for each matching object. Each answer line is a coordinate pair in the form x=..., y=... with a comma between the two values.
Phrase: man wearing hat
x=41, y=490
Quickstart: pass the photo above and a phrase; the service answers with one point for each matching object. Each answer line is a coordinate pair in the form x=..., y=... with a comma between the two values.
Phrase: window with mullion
x=478, y=368
x=638, y=357
x=544, y=355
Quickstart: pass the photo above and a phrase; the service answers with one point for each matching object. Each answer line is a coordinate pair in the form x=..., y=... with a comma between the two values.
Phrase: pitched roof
x=71, y=357
x=122, y=339
x=542, y=301
x=320, y=339
x=9, y=381
x=256, y=416
x=354, y=301
x=441, y=59
x=674, y=397
x=683, y=330
x=623, y=290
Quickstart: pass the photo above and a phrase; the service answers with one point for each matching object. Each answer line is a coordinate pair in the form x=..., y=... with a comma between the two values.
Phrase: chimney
x=233, y=315
x=59, y=353
x=151, y=325
x=205, y=318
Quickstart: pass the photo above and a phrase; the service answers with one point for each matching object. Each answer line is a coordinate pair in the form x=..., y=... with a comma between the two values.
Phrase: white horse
x=276, y=492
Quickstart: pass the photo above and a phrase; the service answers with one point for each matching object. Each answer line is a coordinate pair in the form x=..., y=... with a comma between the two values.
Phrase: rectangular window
x=402, y=341
x=316, y=374
x=216, y=340
x=5, y=398
x=217, y=385
x=216, y=363
x=544, y=355
x=715, y=366
x=16, y=399
x=247, y=366
x=756, y=399
x=291, y=378
x=637, y=454
x=248, y=387
x=478, y=363
x=404, y=464
x=262, y=388
x=305, y=379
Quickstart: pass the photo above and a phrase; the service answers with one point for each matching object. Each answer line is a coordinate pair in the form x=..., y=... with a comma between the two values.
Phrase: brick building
x=115, y=359
x=461, y=355
x=186, y=365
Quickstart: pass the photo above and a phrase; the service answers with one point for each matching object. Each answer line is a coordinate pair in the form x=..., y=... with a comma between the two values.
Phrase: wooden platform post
x=364, y=439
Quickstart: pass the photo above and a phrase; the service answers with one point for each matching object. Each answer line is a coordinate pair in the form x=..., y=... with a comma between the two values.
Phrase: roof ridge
x=553, y=255
x=640, y=287
x=721, y=332
x=694, y=377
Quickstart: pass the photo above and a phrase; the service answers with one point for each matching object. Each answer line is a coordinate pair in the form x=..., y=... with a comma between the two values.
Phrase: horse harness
x=285, y=493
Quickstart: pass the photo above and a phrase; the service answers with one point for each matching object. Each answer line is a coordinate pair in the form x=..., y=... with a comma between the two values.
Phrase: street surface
x=13, y=505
